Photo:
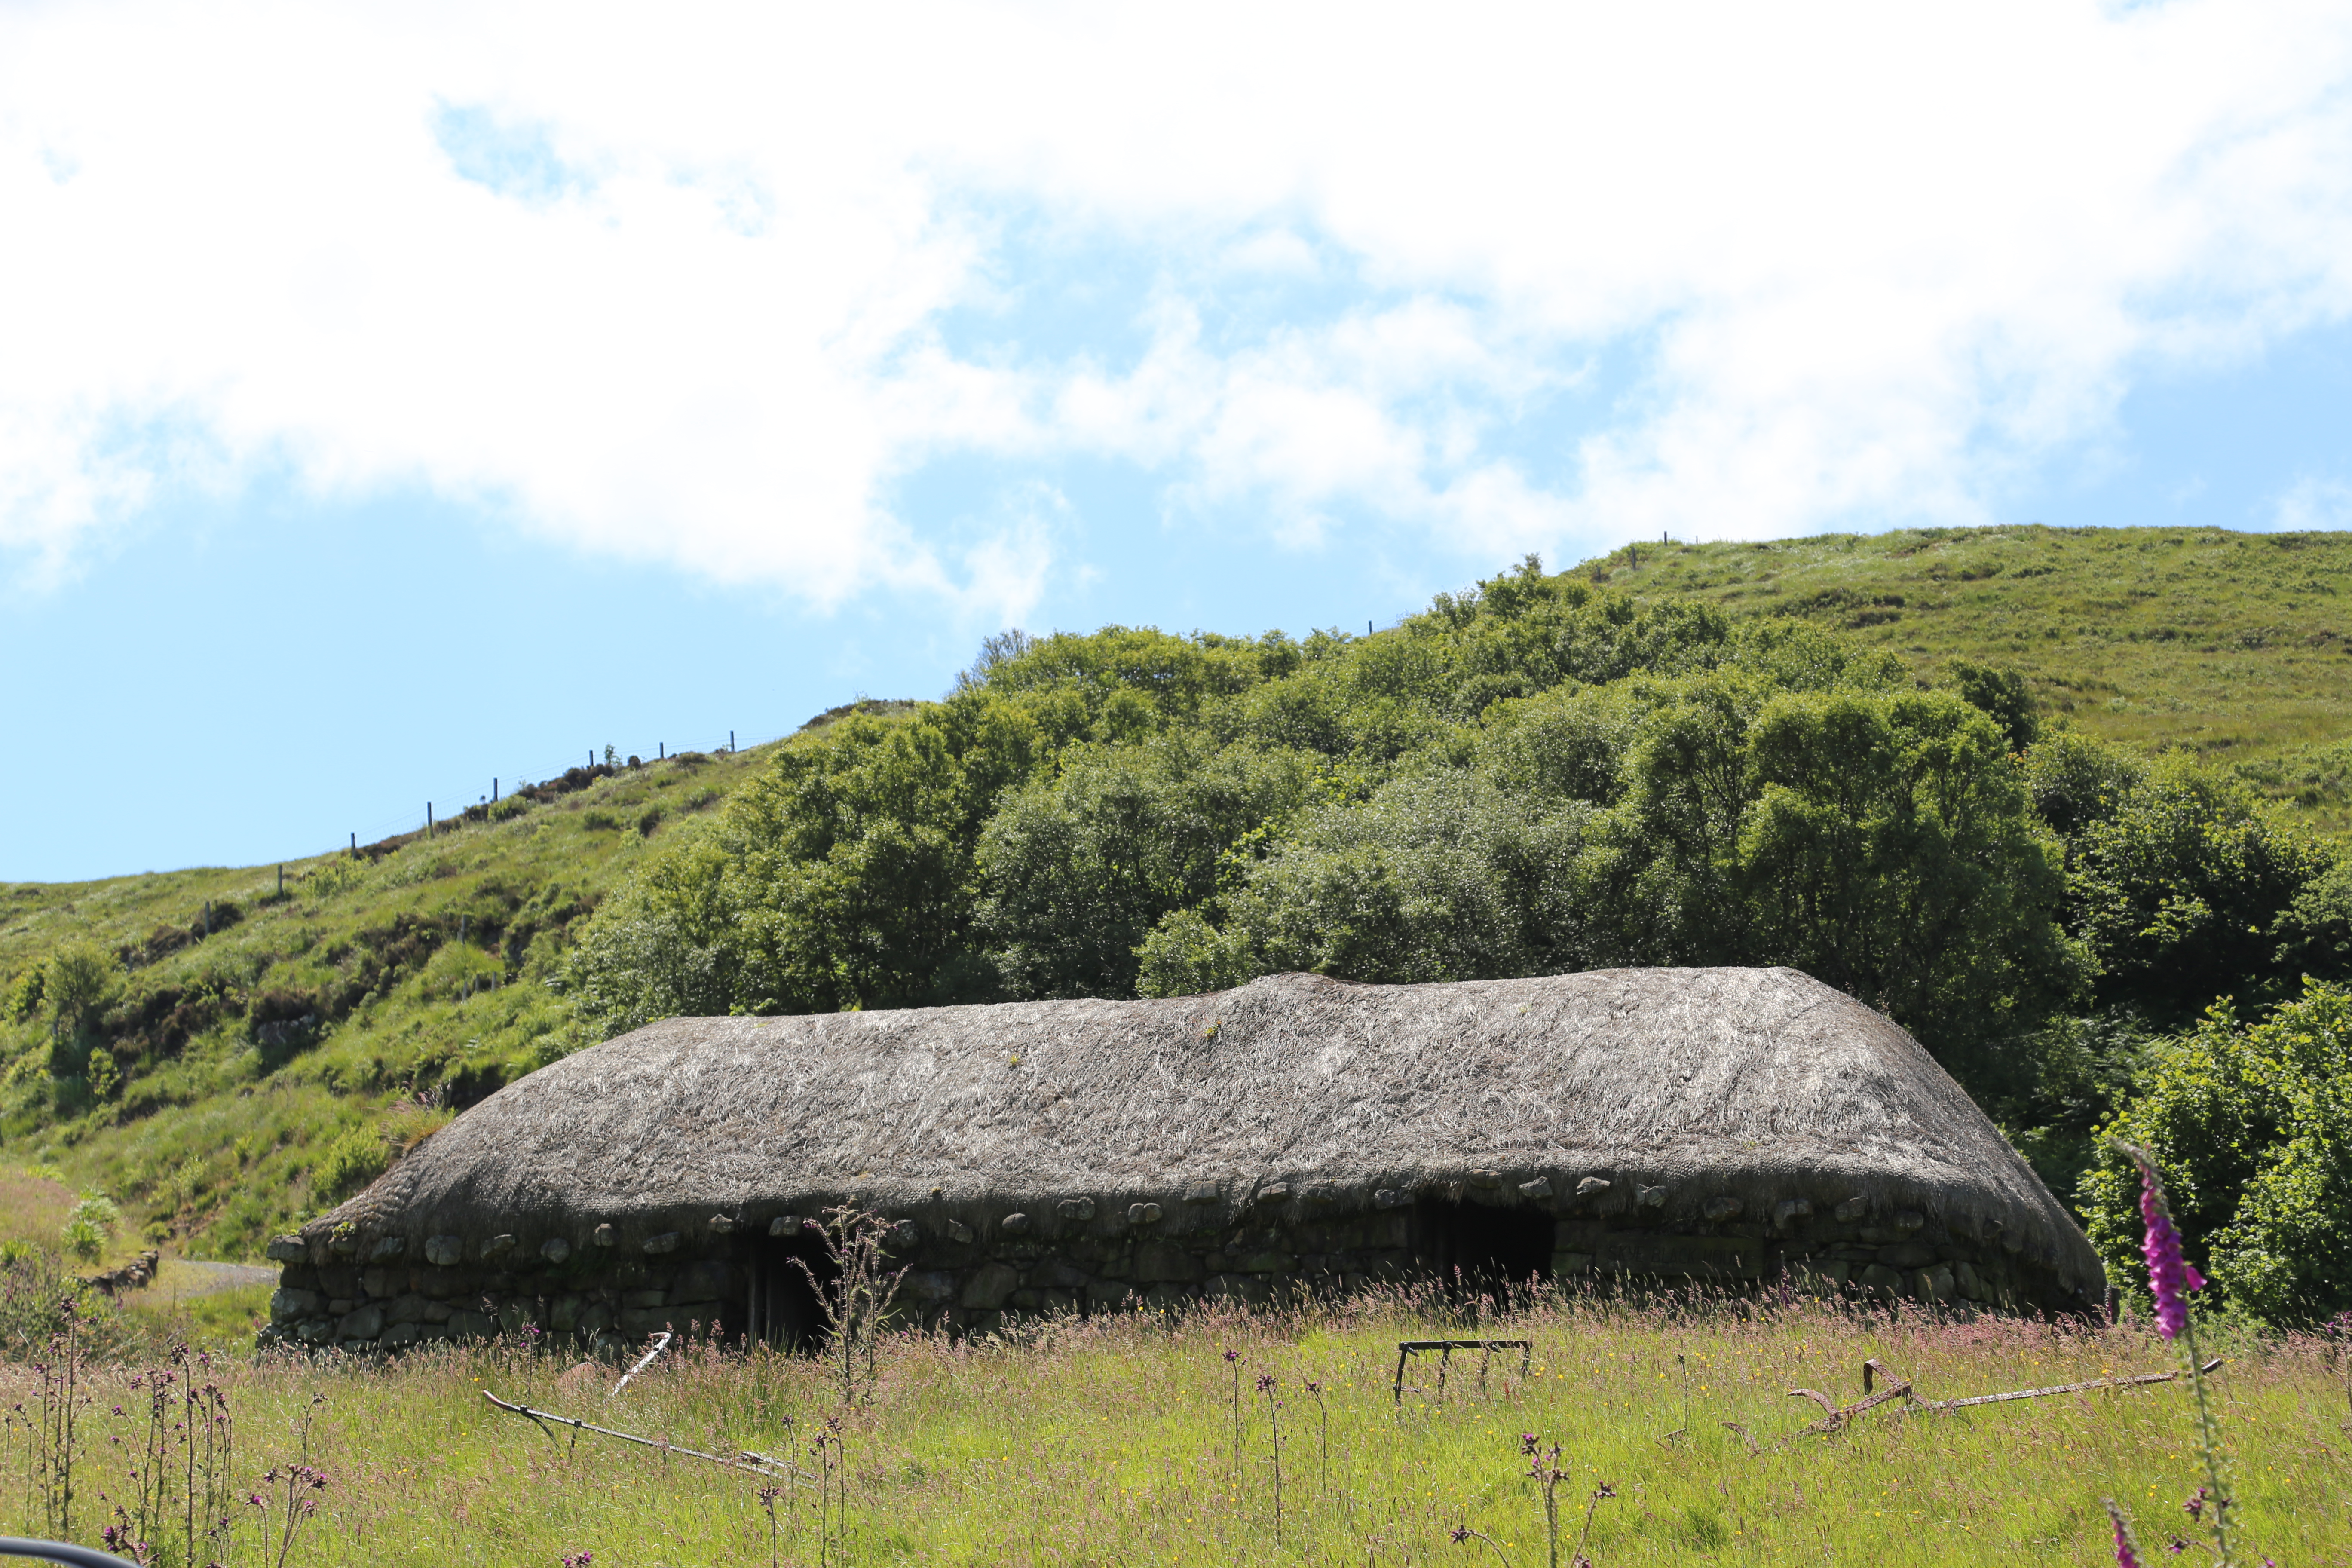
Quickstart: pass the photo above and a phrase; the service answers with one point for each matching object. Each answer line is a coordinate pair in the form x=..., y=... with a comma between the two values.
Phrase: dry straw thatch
x=1760, y=1085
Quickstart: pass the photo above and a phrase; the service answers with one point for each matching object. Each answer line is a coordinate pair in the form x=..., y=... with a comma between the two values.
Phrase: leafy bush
x=2186, y=889
x=2003, y=695
x=1076, y=868
x=90, y=1226
x=2075, y=780
x=2253, y=1129
x=1535, y=777
x=1879, y=841
x=22, y=997
x=82, y=978
x=35, y=1295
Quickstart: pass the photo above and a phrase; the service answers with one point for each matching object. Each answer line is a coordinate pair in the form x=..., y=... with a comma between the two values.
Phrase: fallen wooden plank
x=1839, y=1414
x=757, y=1464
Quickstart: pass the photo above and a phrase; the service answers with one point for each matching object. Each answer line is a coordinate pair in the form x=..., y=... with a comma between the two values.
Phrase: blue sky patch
x=513, y=159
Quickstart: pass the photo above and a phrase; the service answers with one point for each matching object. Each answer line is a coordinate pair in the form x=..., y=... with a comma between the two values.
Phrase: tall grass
x=1111, y=1439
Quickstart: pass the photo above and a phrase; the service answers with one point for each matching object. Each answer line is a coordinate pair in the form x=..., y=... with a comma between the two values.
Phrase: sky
x=393, y=400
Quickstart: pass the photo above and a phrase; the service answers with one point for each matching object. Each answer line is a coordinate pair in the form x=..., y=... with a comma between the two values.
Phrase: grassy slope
x=2225, y=642
x=2234, y=645
x=1114, y=1441
x=218, y=1143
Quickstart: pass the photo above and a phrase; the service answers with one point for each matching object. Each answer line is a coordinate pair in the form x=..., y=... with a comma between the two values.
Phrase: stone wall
x=969, y=1268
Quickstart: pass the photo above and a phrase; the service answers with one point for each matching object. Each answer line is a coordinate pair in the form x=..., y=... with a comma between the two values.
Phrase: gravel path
x=188, y=1277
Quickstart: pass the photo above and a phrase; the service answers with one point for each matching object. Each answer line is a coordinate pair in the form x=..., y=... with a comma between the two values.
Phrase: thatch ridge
x=1763, y=1085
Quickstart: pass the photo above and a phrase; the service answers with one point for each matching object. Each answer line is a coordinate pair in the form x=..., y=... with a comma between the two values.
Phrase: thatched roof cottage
x=1740, y=1126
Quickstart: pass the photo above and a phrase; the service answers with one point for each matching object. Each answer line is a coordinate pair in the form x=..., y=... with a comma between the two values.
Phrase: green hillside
x=2235, y=646
x=274, y=1062
x=223, y=1057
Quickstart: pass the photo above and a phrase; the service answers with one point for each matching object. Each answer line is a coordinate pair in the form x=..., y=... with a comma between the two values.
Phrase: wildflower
x=2126, y=1557
x=1233, y=1355
x=2170, y=1275
x=1461, y=1533
x=1265, y=1382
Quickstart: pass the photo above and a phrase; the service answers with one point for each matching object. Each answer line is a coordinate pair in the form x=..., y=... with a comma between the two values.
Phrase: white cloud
x=2312, y=505
x=676, y=290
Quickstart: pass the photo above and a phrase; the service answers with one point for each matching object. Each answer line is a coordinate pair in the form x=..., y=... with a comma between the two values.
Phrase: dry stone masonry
x=971, y=1271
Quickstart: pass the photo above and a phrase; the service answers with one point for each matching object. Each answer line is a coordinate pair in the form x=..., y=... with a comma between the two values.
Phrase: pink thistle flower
x=2170, y=1276
x=2126, y=1557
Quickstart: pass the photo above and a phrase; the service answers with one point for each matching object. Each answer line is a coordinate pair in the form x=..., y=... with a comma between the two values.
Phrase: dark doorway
x=1479, y=1250
x=786, y=1309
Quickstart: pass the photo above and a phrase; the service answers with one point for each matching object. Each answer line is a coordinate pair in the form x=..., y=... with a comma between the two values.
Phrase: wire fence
x=446, y=807
x=453, y=802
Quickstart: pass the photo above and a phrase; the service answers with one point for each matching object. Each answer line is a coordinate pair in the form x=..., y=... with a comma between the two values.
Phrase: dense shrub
x=1877, y=840
x=1076, y=868
x=90, y=1226
x=1536, y=776
x=22, y=997
x=2003, y=695
x=2253, y=1128
x=2186, y=889
x=82, y=978
x=36, y=1295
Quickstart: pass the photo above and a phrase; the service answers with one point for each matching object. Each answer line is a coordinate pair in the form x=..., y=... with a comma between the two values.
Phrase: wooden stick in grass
x=746, y=1459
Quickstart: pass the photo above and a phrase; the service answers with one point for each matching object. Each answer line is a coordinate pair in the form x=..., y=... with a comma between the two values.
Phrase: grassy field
x=2238, y=645
x=1116, y=1441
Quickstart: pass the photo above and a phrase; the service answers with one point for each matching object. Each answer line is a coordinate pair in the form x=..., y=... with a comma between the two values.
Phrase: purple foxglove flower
x=2170, y=1275
x=2125, y=1556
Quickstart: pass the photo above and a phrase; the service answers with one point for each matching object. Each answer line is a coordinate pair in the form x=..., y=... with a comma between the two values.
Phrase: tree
x=1077, y=867
x=1888, y=852
x=82, y=978
x=840, y=878
x=2251, y=1126
x=1879, y=841
x=2001, y=694
x=2186, y=889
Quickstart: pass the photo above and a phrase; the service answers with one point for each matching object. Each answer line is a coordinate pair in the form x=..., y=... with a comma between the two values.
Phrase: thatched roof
x=1761, y=1084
